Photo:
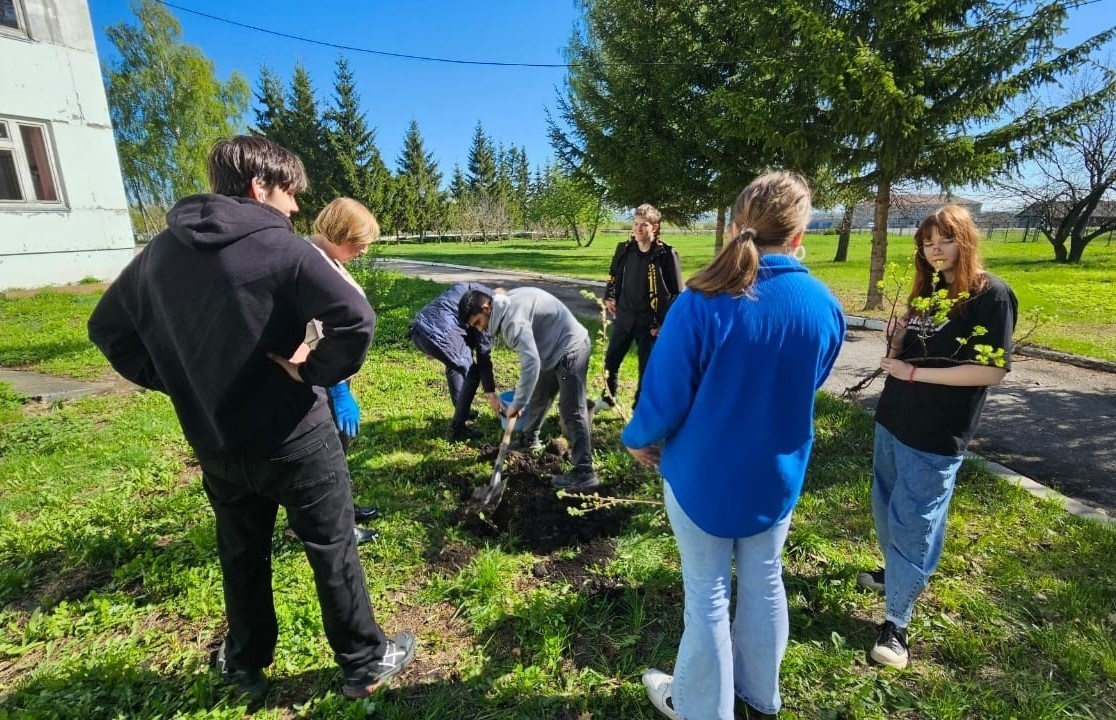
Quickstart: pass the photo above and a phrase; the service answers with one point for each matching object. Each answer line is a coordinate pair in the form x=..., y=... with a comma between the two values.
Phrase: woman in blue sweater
x=726, y=412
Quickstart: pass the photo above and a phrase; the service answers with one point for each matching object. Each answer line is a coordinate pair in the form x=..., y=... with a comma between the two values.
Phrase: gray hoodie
x=540, y=329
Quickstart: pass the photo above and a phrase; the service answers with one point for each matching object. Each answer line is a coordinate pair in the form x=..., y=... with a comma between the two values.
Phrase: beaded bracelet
x=910, y=375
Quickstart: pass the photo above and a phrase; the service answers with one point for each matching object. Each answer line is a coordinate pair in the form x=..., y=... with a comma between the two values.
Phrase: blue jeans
x=911, y=490
x=716, y=660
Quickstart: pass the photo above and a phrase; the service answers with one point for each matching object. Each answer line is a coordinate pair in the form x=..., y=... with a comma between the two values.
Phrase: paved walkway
x=1052, y=423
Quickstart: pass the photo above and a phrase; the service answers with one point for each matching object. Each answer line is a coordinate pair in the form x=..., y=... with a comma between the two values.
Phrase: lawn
x=110, y=590
x=1080, y=299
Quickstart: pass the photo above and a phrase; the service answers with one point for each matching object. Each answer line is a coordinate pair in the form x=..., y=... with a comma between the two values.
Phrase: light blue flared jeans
x=911, y=490
x=717, y=659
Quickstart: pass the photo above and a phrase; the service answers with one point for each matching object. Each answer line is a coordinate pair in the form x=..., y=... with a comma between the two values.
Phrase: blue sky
x=446, y=99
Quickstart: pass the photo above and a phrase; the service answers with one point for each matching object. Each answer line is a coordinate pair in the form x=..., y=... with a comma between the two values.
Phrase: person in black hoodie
x=644, y=278
x=206, y=314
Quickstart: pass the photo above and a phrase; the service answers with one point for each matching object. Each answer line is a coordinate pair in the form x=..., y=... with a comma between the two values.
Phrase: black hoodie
x=195, y=314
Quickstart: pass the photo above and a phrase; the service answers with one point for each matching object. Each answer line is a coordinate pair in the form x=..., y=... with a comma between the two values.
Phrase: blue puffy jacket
x=437, y=322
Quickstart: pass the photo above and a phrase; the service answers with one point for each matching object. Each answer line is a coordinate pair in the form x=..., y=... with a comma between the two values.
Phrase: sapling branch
x=590, y=502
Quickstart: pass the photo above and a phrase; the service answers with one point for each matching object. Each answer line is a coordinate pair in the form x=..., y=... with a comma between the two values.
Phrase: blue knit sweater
x=729, y=391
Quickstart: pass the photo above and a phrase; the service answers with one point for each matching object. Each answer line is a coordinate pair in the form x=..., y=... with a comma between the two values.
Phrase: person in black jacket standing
x=644, y=278
x=207, y=314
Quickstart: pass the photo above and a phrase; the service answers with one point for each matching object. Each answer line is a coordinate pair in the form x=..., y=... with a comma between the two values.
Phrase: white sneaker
x=658, y=684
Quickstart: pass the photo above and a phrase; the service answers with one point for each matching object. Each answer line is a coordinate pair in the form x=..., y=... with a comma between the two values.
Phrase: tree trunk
x=875, y=298
x=719, y=233
x=1077, y=248
x=843, y=232
x=1059, y=243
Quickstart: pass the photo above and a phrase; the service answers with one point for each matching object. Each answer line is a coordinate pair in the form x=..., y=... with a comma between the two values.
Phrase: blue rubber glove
x=346, y=412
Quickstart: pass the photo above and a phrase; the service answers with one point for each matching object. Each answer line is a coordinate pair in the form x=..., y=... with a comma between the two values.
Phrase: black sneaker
x=364, y=514
x=462, y=434
x=575, y=483
x=873, y=581
x=250, y=683
x=398, y=654
x=891, y=646
x=473, y=414
x=364, y=535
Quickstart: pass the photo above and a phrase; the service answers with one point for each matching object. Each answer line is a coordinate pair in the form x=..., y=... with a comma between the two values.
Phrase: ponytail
x=734, y=269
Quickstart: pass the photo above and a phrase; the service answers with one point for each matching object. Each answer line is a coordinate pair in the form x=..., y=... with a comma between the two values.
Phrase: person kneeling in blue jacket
x=438, y=334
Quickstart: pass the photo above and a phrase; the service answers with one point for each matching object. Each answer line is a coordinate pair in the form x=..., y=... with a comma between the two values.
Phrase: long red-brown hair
x=951, y=221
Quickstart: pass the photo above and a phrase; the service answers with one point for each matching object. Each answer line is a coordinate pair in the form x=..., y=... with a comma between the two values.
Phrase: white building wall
x=53, y=76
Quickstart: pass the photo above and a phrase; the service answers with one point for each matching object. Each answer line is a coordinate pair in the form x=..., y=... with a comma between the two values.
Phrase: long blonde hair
x=770, y=211
x=345, y=221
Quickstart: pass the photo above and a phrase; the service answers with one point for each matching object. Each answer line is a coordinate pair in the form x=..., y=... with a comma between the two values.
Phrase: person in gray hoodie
x=207, y=314
x=553, y=349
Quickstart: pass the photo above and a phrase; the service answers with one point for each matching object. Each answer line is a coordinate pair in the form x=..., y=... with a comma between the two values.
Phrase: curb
x=1070, y=505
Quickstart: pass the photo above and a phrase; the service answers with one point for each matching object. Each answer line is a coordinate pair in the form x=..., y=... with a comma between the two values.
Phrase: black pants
x=310, y=478
x=462, y=381
x=618, y=344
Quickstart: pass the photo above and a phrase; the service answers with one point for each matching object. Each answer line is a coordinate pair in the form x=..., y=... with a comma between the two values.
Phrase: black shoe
x=891, y=646
x=463, y=434
x=574, y=482
x=473, y=415
x=398, y=654
x=873, y=581
x=363, y=535
x=250, y=683
x=364, y=514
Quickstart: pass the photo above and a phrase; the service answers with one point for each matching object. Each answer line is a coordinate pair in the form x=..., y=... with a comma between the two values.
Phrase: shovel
x=487, y=497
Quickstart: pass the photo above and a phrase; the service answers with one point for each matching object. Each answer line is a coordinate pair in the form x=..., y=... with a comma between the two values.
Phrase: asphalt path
x=1053, y=422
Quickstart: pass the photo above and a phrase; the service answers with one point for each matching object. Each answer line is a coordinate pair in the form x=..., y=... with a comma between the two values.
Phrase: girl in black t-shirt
x=931, y=402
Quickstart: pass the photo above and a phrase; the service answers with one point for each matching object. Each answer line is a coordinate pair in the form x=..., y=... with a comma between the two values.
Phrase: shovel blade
x=489, y=496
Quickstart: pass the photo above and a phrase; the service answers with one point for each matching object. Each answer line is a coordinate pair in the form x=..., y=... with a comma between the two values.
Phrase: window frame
x=14, y=143
x=20, y=31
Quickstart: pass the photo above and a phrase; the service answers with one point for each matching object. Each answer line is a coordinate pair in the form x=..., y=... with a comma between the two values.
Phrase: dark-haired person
x=928, y=411
x=728, y=408
x=553, y=349
x=644, y=278
x=204, y=314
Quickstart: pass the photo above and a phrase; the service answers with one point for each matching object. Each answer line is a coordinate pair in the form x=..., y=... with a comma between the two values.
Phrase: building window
x=11, y=16
x=27, y=174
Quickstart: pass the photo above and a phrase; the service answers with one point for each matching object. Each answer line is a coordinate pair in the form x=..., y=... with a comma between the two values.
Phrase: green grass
x=110, y=590
x=1081, y=297
x=46, y=332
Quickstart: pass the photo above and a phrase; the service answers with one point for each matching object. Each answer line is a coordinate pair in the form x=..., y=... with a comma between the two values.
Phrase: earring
x=800, y=253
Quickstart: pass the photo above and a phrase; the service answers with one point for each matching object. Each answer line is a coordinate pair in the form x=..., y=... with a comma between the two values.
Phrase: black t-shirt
x=941, y=419
x=633, y=307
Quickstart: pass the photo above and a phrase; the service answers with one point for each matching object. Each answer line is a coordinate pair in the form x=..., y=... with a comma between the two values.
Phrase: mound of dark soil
x=532, y=516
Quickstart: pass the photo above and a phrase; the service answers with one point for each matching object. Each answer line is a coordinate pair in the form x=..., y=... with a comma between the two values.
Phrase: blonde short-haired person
x=726, y=414
x=927, y=413
x=342, y=232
